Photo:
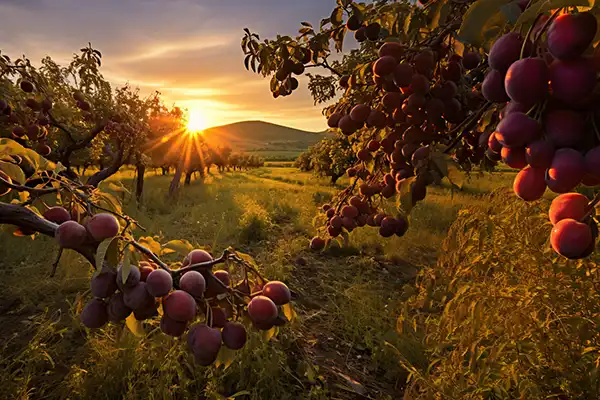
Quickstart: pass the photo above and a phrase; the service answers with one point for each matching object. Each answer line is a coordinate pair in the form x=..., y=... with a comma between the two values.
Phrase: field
x=348, y=298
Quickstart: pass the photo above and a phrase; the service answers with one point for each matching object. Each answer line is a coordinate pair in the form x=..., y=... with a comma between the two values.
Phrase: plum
x=526, y=81
x=566, y=171
x=505, y=51
x=530, y=183
x=572, y=81
x=571, y=34
x=571, y=238
x=568, y=205
x=564, y=128
x=517, y=130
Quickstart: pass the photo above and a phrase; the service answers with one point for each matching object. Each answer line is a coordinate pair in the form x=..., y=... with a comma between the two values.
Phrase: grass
x=348, y=302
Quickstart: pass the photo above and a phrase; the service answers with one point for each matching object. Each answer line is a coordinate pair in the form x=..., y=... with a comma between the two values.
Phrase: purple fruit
x=517, y=130
x=505, y=51
x=540, y=153
x=565, y=128
x=493, y=87
x=572, y=81
x=566, y=172
x=526, y=81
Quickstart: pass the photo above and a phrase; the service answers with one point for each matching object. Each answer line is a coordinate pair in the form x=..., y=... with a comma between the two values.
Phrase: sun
x=196, y=121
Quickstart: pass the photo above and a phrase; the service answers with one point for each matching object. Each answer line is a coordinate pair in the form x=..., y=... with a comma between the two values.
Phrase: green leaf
x=126, y=268
x=546, y=5
x=182, y=247
x=39, y=163
x=14, y=171
x=108, y=201
x=476, y=18
x=441, y=162
x=289, y=312
x=511, y=11
x=101, y=252
x=404, y=199
x=136, y=327
x=455, y=176
x=336, y=16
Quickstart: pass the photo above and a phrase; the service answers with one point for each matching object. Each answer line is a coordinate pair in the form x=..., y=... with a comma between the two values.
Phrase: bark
x=139, y=184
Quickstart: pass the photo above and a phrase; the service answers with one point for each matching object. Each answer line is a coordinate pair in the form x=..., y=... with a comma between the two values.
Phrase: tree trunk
x=188, y=178
x=139, y=184
x=165, y=170
x=334, y=178
x=174, y=186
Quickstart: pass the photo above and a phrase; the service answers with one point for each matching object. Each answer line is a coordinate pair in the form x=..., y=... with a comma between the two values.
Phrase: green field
x=348, y=298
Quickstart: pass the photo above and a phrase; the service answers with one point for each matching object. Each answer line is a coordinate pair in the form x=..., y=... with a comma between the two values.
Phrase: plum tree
x=159, y=283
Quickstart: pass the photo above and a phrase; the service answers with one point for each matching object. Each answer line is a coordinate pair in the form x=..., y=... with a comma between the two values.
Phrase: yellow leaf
x=150, y=243
x=267, y=335
x=289, y=312
x=136, y=327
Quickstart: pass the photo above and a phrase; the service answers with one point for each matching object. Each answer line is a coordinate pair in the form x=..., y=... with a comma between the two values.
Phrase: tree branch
x=27, y=220
x=99, y=176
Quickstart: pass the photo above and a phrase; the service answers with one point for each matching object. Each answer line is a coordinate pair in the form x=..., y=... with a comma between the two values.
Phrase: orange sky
x=189, y=50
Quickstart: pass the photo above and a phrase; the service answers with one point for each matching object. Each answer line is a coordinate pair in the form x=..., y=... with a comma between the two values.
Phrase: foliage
x=330, y=157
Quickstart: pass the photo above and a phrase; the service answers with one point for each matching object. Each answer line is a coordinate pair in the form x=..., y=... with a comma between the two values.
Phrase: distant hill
x=274, y=141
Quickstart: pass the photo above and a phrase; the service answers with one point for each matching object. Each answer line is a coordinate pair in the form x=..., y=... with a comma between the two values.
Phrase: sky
x=189, y=50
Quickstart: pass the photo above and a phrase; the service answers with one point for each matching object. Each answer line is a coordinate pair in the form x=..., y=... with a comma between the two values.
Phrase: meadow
x=348, y=298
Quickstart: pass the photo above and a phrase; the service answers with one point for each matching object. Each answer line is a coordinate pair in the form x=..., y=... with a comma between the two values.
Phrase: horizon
x=191, y=57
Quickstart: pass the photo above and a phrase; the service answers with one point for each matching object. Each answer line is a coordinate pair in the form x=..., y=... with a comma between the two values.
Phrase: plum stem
x=147, y=252
x=545, y=27
x=529, y=31
x=465, y=126
x=591, y=206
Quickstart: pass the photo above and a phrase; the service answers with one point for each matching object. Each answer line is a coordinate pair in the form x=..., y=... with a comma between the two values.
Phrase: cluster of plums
x=70, y=234
x=288, y=83
x=146, y=287
x=548, y=126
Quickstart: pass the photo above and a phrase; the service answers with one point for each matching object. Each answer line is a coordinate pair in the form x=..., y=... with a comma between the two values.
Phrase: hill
x=271, y=141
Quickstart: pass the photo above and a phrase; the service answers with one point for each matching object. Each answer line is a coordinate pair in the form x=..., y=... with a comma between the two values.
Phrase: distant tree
x=330, y=157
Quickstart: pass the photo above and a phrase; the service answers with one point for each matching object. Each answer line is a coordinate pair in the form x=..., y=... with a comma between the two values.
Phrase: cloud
x=189, y=50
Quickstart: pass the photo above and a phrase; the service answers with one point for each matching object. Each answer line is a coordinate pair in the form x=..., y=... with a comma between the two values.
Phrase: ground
x=341, y=347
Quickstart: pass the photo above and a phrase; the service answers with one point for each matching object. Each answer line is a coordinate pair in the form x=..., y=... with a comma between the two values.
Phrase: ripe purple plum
x=95, y=314
x=493, y=144
x=505, y=51
x=566, y=171
x=571, y=238
x=196, y=257
x=71, y=235
x=530, y=183
x=526, y=81
x=180, y=306
x=403, y=75
x=540, y=153
x=377, y=119
x=565, y=128
x=57, y=214
x=517, y=130
x=205, y=343
x=334, y=119
x=317, y=243
x=133, y=278
x=471, y=60
x=103, y=226
x=385, y=66
x=568, y=205
x=117, y=309
x=360, y=113
x=278, y=292
x=104, y=284
x=592, y=162
x=571, y=34
x=513, y=107
x=262, y=309
x=572, y=81
x=493, y=88
x=137, y=296
x=223, y=276
x=234, y=335
x=514, y=157
x=347, y=125
x=159, y=283
x=193, y=283
x=172, y=327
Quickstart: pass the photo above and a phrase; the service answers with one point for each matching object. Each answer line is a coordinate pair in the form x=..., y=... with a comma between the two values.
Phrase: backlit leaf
x=14, y=171
x=289, y=312
x=225, y=357
x=182, y=247
x=476, y=18
x=136, y=327
x=101, y=252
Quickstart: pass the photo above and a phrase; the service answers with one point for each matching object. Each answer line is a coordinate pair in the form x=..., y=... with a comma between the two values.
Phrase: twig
x=548, y=22
x=465, y=126
x=21, y=188
x=55, y=265
x=590, y=207
x=147, y=252
x=529, y=31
